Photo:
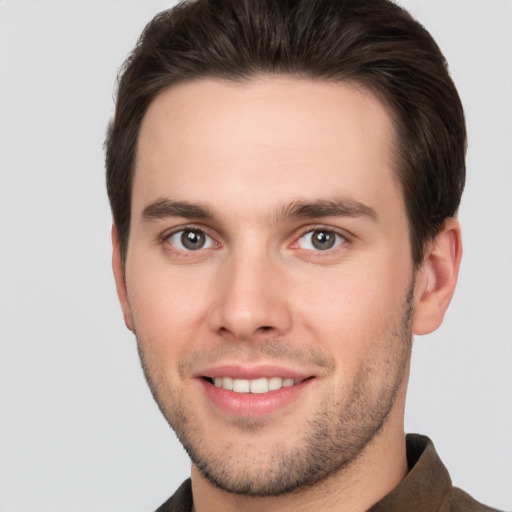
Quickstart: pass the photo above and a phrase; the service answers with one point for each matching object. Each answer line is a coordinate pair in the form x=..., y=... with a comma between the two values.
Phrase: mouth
x=257, y=386
x=261, y=390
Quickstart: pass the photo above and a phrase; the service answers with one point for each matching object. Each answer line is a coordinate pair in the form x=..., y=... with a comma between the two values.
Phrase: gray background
x=78, y=428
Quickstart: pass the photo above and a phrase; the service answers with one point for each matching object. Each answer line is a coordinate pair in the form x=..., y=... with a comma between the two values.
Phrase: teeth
x=259, y=385
x=227, y=383
x=241, y=385
x=262, y=385
x=224, y=382
x=275, y=383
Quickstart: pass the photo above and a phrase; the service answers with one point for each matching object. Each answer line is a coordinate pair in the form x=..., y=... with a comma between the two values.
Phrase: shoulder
x=428, y=486
x=463, y=502
x=180, y=501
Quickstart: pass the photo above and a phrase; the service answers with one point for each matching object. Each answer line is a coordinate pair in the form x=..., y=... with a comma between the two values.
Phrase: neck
x=379, y=469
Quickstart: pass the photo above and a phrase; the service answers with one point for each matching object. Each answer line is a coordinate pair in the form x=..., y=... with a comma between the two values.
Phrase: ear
x=118, y=268
x=436, y=278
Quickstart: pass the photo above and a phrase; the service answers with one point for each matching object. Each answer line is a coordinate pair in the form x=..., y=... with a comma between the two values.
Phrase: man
x=284, y=179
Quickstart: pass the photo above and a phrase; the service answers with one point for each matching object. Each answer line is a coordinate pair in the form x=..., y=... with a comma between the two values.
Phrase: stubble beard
x=336, y=435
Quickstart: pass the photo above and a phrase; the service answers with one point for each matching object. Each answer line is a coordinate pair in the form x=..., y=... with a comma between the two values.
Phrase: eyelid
x=167, y=234
x=347, y=236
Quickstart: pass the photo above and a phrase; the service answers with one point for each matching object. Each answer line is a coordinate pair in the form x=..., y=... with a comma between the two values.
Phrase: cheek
x=353, y=310
x=168, y=307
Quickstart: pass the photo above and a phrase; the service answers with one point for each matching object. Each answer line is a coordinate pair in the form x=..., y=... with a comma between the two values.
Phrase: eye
x=190, y=240
x=320, y=240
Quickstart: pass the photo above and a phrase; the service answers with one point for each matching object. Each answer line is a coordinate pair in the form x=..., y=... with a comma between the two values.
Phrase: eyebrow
x=338, y=207
x=341, y=207
x=163, y=208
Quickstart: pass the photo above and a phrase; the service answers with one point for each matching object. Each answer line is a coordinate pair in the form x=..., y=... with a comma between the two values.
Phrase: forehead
x=265, y=138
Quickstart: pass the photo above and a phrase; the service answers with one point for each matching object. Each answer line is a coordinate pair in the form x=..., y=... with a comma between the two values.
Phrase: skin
x=259, y=293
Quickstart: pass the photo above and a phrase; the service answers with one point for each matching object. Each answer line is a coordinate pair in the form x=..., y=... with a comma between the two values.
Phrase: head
x=283, y=179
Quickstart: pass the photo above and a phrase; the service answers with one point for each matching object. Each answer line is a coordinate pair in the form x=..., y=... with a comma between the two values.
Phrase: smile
x=260, y=385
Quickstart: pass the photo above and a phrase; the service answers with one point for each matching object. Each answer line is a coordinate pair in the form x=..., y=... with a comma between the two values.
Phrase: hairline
x=397, y=161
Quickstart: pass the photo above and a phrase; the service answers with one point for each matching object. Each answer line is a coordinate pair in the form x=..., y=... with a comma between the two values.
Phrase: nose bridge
x=251, y=297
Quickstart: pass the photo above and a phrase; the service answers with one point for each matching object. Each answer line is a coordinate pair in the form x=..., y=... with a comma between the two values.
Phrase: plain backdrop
x=78, y=428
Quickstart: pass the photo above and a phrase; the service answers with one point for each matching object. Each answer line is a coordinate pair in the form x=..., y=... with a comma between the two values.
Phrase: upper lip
x=237, y=371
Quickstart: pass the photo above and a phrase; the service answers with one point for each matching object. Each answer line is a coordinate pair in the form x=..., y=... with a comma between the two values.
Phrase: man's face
x=269, y=252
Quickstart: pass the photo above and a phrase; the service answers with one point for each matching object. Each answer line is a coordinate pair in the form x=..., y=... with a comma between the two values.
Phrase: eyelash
x=165, y=240
x=345, y=239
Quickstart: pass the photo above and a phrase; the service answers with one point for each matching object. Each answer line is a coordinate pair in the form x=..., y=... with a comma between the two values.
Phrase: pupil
x=192, y=240
x=323, y=240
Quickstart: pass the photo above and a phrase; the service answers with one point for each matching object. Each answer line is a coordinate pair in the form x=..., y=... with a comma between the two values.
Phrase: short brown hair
x=372, y=42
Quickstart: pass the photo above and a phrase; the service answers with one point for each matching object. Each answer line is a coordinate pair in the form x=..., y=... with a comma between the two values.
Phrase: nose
x=251, y=299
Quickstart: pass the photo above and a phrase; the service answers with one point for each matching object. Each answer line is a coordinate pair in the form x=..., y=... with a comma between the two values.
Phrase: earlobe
x=119, y=276
x=437, y=278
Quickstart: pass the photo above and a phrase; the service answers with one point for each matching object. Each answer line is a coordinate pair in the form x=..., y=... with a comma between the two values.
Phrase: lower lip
x=253, y=405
